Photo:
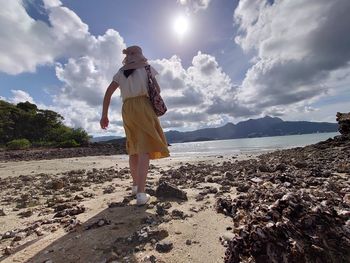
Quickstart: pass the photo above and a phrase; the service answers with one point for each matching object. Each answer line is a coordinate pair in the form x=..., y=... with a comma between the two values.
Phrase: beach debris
x=166, y=190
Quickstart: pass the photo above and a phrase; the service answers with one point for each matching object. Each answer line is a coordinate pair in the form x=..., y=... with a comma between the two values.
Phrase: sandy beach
x=202, y=229
x=80, y=209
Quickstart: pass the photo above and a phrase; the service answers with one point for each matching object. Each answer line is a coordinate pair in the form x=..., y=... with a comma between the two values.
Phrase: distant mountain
x=104, y=138
x=262, y=127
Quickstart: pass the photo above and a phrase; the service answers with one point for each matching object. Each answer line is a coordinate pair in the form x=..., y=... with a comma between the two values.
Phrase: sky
x=219, y=61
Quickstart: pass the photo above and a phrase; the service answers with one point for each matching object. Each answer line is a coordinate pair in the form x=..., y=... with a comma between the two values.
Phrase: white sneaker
x=142, y=198
x=134, y=190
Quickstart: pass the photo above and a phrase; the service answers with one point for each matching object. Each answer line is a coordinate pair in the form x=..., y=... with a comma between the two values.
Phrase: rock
x=164, y=246
x=346, y=199
x=243, y=187
x=343, y=120
x=256, y=180
x=2, y=212
x=227, y=236
x=188, y=242
x=56, y=184
x=78, y=197
x=229, y=176
x=9, y=250
x=161, y=210
x=109, y=189
x=9, y=234
x=199, y=197
x=75, y=210
x=178, y=214
x=27, y=213
x=99, y=223
x=19, y=236
x=166, y=190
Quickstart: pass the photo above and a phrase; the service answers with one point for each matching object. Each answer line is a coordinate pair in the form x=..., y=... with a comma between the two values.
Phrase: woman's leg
x=133, y=161
x=142, y=170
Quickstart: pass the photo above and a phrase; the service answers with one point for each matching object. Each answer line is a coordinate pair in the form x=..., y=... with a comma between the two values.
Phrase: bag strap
x=149, y=73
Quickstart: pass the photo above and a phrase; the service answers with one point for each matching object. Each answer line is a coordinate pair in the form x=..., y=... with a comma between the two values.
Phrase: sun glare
x=181, y=26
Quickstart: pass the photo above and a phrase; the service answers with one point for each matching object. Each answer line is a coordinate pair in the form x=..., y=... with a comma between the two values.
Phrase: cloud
x=195, y=95
x=89, y=62
x=298, y=45
x=195, y=5
x=20, y=96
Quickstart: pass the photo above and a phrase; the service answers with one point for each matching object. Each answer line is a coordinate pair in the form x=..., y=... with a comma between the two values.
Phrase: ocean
x=247, y=145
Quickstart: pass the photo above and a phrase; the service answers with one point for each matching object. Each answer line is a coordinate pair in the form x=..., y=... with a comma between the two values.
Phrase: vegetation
x=23, y=125
x=18, y=144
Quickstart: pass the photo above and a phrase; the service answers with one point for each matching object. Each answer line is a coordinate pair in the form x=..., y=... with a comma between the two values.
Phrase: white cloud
x=195, y=5
x=201, y=95
x=89, y=68
x=20, y=96
x=298, y=45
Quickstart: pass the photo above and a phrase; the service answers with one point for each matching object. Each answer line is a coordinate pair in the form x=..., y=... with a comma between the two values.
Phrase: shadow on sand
x=100, y=243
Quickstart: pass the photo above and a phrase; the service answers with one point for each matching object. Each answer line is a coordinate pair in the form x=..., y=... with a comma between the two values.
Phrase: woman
x=145, y=139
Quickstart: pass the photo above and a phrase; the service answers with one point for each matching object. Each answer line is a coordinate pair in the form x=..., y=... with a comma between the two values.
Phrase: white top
x=135, y=85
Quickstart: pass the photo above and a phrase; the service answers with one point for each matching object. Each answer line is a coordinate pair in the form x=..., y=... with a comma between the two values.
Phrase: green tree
x=40, y=127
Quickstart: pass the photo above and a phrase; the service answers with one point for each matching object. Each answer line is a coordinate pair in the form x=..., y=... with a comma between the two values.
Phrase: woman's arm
x=106, y=101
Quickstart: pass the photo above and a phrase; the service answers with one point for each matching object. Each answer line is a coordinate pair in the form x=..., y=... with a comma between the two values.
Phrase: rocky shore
x=285, y=206
x=93, y=149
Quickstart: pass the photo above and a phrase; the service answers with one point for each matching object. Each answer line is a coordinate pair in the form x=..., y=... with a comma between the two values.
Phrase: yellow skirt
x=142, y=128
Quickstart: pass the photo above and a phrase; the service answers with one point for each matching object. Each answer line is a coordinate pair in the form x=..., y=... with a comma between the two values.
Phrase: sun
x=181, y=26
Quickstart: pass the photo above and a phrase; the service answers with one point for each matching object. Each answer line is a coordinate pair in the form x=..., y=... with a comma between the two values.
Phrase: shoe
x=134, y=190
x=142, y=198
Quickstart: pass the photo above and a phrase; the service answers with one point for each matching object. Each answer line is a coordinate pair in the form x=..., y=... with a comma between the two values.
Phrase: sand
x=201, y=231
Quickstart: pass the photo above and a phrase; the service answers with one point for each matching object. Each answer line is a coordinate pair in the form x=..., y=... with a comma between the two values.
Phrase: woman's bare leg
x=142, y=170
x=133, y=161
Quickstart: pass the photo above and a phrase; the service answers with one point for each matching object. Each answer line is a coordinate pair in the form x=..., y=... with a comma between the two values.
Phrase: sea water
x=247, y=145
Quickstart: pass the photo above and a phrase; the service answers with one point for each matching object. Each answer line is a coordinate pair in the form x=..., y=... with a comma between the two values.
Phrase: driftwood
x=343, y=120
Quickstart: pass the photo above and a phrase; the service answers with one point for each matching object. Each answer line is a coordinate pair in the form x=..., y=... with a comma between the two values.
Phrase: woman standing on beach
x=145, y=139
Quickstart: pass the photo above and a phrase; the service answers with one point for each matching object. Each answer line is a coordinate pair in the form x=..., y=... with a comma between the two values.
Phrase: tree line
x=25, y=125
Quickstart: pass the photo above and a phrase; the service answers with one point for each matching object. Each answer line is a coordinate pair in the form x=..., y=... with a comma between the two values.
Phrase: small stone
x=229, y=176
x=188, y=242
x=9, y=250
x=164, y=246
x=27, y=213
x=2, y=212
x=57, y=184
x=178, y=214
x=346, y=199
x=256, y=180
x=39, y=232
x=109, y=189
x=227, y=236
x=78, y=197
x=19, y=236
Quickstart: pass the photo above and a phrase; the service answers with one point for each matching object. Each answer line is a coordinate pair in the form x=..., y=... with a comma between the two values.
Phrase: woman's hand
x=106, y=101
x=104, y=122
